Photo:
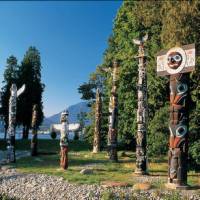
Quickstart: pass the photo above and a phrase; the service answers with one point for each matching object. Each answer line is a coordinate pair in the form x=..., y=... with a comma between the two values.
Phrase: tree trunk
x=5, y=133
x=25, y=132
x=76, y=135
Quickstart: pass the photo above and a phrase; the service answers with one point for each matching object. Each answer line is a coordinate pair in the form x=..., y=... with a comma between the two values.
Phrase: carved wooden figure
x=97, y=131
x=177, y=62
x=12, y=121
x=113, y=115
x=142, y=111
x=34, y=131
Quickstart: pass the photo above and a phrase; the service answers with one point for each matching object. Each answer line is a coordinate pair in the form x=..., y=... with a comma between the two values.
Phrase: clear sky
x=71, y=37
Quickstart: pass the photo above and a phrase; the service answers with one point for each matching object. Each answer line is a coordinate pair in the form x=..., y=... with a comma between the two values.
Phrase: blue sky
x=71, y=37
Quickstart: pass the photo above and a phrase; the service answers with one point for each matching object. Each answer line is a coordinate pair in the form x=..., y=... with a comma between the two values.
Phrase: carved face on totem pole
x=64, y=116
x=176, y=60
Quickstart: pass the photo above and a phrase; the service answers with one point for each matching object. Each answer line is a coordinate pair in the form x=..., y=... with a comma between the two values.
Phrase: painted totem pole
x=142, y=111
x=64, y=140
x=177, y=63
x=34, y=131
x=12, y=121
x=113, y=115
x=98, y=114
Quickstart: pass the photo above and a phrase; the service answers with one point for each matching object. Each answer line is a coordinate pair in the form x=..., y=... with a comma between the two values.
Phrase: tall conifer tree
x=30, y=75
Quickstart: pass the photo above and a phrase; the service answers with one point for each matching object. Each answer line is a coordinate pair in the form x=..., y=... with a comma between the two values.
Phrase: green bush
x=158, y=132
x=5, y=197
x=194, y=155
x=53, y=135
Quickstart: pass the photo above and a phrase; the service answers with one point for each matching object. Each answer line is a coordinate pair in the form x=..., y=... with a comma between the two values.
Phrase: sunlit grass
x=80, y=157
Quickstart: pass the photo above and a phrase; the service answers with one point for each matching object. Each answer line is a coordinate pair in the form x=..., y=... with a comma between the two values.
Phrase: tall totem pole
x=142, y=111
x=34, y=131
x=12, y=121
x=113, y=115
x=177, y=63
x=97, y=131
x=64, y=140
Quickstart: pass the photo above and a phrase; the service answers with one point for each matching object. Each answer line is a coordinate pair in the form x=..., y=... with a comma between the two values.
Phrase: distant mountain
x=74, y=110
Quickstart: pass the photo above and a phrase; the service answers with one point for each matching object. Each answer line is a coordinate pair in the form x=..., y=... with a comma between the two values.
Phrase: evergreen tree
x=30, y=75
x=168, y=24
x=181, y=26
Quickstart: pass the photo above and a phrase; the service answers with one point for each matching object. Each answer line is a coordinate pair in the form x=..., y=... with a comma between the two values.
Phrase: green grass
x=5, y=197
x=80, y=155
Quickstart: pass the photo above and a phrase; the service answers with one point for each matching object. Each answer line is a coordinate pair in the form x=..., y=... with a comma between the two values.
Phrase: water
x=47, y=136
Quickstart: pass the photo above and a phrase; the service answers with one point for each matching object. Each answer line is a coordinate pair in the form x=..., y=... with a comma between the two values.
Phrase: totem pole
x=142, y=111
x=12, y=121
x=64, y=140
x=97, y=131
x=113, y=115
x=177, y=63
x=34, y=131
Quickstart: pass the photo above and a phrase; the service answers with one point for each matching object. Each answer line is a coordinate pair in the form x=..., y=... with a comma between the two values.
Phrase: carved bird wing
x=106, y=69
x=138, y=42
x=21, y=90
x=144, y=39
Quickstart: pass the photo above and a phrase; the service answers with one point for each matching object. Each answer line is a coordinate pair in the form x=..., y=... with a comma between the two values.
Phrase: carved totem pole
x=34, y=131
x=178, y=62
x=12, y=121
x=113, y=115
x=64, y=140
x=142, y=111
x=97, y=131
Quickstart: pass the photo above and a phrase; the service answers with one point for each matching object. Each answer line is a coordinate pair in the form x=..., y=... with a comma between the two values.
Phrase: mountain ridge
x=74, y=110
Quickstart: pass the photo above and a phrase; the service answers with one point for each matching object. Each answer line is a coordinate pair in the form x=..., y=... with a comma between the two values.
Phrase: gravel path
x=44, y=187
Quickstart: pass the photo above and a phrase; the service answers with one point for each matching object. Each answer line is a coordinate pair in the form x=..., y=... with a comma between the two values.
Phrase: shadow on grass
x=156, y=175
x=44, y=153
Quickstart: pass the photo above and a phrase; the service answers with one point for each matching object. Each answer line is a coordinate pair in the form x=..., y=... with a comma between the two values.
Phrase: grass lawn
x=80, y=156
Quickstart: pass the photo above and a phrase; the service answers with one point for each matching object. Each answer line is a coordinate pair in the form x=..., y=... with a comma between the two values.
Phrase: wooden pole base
x=174, y=186
x=64, y=157
x=139, y=172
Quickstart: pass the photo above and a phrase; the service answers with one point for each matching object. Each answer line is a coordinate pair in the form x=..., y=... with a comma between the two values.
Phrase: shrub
x=53, y=135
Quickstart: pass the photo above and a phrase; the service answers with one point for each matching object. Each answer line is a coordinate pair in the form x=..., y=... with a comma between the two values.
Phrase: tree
x=168, y=24
x=186, y=20
x=30, y=75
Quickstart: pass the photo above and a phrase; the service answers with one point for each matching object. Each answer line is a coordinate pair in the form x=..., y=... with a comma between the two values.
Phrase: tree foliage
x=28, y=73
x=168, y=24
